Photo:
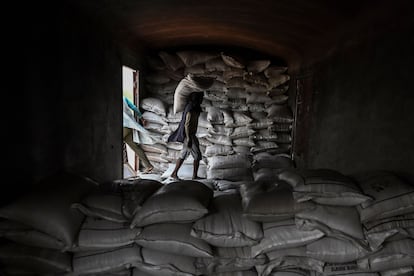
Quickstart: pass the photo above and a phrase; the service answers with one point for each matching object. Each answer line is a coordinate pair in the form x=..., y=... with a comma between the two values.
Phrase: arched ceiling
x=298, y=31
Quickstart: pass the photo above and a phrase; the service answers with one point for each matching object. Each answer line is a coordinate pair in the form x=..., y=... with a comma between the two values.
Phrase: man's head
x=195, y=99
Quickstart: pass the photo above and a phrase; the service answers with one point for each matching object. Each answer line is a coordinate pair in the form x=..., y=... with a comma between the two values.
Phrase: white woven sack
x=173, y=238
x=155, y=105
x=227, y=227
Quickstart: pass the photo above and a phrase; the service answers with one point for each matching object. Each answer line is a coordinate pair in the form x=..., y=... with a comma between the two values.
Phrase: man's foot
x=175, y=177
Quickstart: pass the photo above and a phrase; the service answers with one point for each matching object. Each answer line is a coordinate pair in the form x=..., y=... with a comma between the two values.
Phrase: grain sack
x=176, y=75
x=266, y=175
x=391, y=195
x=229, y=259
x=154, y=105
x=350, y=269
x=172, y=61
x=26, y=235
x=274, y=71
x=102, y=205
x=214, y=115
x=218, y=89
x=256, y=107
x=341, y=222
x=401, y=271
x=280, y=113
x=283, y=138
x=135, y=192
x=102, y=261
x=226, y=226
x=252, y=79
x=182, y=201
x=276, y=99
x=274, y=161
x=236, y=273
x=196, y=70
x=257, y=66
x=152, y=117
x=292, y=272
x=220, y=130
x=41, y=261
x=155, y=148
x=216, y=64
x=232, y=60
x=228, y=118
x=236, y=93
x=324, y=187
x=289, y=258
x=164, y=264
x=333, y=250
x=284, y=234
x=52, y=203
x=262, y=146
x=255, y=88
x=173, y=117
x=230, y=161
x=393, y=255
x=241, y=149
x=271, y=201
x=242, y=132
x=156, y=157
x=173, y=238
x=241, y=119
x=262, y=124
x=247, y=142
x=191, y=58
x=266, y=135
x=223, y=185
x=203, y=122
x=232, y=174
x=188, y=85
x=257, y=97
x=219, y=140
x=281, y=89
x=397, y=227
x=275, y=81
x=218, y=150
x=136, y=272
x=157, y=128
x=281, y=127
x=96, y=234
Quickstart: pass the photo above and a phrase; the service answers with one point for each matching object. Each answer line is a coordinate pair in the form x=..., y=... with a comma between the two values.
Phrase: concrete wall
x=363, y=108
x=67, y=101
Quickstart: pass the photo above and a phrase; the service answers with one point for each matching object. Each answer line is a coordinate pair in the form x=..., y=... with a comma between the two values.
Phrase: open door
x=130, y=89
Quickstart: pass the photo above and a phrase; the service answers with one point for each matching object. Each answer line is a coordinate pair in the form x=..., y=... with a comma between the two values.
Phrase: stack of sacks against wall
x=166, y=219
x=39, y=230
x=339, y=204
x=245, y=110
x=106, y=240
x=303, y=222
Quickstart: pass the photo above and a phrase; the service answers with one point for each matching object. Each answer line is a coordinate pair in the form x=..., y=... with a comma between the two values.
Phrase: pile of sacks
x=245, y=109
x=302, y=222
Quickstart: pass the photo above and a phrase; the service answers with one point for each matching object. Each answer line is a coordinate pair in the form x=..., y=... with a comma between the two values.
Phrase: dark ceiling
x=298, y=31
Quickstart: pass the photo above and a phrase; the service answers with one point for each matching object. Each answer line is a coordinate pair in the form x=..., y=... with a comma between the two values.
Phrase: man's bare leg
x=177, y=167
x=196, y=164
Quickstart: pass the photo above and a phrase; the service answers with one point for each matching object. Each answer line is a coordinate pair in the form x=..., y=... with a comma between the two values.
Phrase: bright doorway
x=130, y=81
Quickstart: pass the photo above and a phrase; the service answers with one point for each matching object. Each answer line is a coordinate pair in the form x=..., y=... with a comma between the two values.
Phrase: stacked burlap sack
x=245, y=108
x=297, y=222
x=39, y=230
